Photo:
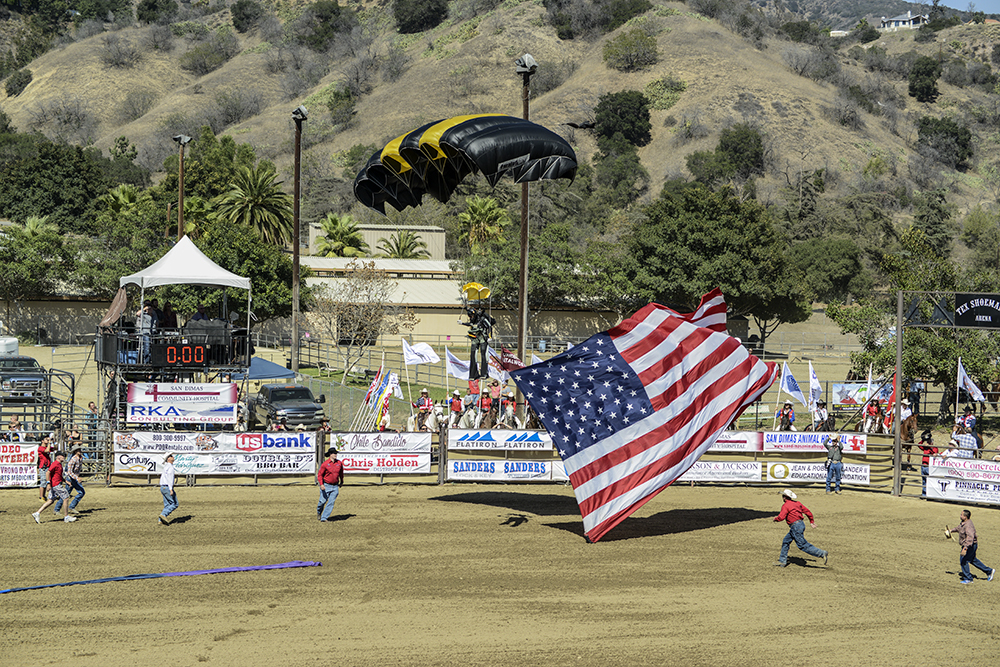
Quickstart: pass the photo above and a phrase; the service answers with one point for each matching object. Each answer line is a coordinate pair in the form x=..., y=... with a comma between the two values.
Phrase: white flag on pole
x=456, y=367
x=419, y=353
x=535, y=359
x=815, y=388
x=790, y=386
x=966, y=383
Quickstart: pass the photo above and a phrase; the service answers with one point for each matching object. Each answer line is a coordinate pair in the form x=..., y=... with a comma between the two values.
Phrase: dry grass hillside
x=463, y=67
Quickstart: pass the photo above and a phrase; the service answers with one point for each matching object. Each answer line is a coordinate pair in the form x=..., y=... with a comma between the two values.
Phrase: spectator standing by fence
x=167, y=490
x=929, y=450
x=834, y=461
x=792, y=512
x=969, y=541
x=329, y=477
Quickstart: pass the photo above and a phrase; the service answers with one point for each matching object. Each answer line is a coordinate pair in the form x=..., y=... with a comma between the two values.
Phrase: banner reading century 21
x=182, y=403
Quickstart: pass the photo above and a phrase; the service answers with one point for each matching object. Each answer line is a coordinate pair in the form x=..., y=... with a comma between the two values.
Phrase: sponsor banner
x=12, y=453
x=386, y=442
x=500, y=471
x=18, y=475
x=221, y=442
x=151, y=403
x=966, y=480
x=855, y=394
x=739, y=441
x=812, y=441
x=559, y=471
x=537, y=441
x=854, y=473
x=387, y=464
x=723, y=471
x=215, y=463
x=978, y=483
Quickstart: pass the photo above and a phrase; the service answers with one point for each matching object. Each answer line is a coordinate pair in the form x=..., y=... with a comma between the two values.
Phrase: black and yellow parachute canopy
x=435, y=157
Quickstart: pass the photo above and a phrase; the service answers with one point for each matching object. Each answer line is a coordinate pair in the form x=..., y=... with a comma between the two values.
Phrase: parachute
x=434, y=158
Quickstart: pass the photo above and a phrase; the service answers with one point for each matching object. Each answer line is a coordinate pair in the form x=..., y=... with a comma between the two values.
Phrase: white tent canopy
x=185, y=265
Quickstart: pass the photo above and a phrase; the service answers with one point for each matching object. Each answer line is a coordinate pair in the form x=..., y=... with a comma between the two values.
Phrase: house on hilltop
x=909, y=21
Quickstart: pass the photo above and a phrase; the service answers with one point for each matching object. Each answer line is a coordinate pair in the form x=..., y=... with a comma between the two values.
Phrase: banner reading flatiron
x=182, y=403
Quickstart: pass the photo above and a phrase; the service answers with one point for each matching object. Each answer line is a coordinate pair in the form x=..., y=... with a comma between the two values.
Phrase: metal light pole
x=298, y=115
x=182, y=140
x=526, y=66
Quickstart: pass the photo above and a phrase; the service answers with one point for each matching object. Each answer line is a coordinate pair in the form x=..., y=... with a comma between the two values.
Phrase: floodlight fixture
x=526, y=64
x=300, y=113
x=182, y=139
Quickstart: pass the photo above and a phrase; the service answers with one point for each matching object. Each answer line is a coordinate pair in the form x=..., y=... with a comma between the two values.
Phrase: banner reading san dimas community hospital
x=182, y=403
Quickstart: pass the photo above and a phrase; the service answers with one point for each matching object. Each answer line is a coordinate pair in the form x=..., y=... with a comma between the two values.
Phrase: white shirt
x=167, y=476
x=905, y=413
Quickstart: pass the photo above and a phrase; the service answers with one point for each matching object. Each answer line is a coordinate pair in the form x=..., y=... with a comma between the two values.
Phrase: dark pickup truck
x=291, y=402
x=22, y=378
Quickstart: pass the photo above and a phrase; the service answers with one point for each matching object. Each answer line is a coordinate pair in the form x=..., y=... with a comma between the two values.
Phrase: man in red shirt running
x=791, y=512
x=59, y=489
x=45, y=450
x=330, y=477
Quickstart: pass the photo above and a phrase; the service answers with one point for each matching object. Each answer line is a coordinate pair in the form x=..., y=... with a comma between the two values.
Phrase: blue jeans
x=796, y=532
x=75, y=486
x=169, y=500
x=970, y=559
x=833, y=473
x=925, y=471
x=327, y=497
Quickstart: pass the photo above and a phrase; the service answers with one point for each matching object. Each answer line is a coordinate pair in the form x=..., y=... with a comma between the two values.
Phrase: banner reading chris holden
x=18, y=464
x=216, y=453
x=500, y=440
x=153, y=403
x=384, y=453
x=964, y=480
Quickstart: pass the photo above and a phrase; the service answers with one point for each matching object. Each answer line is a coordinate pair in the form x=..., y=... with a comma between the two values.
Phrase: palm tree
x=198, y=214
x=121, y=198
x=37, y=226
x=256, y=202
x=404, y=244
x=483, y=221
x=341, y=237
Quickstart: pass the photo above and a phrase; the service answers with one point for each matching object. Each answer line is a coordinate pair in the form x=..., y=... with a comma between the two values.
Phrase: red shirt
x=56, y=473
x=43, y=457
x=485, y=402
x=424, y=404
x=331, y=472
x=792, y=511
x=456, y=404
x=928, y=451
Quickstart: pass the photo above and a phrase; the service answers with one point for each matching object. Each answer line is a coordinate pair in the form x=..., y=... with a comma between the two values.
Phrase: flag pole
x=958, y=386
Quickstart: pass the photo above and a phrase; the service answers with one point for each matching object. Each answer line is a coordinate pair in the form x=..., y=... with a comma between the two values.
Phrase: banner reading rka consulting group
x=181, y=403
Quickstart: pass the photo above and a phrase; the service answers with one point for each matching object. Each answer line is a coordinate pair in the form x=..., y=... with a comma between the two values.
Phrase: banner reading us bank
x=206, y=441
x=812, y=441
x=158, y=403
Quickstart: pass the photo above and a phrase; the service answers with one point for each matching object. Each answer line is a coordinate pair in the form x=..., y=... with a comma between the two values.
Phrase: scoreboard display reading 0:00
x=178, y=354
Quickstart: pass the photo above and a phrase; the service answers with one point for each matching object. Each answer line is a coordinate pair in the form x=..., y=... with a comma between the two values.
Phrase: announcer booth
x=174, y=389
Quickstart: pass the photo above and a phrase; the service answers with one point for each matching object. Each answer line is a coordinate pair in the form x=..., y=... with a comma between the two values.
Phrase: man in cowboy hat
x=329, y=477
x=834, y=461
x=786, y=412
x=792, y=512
x=424, y=407
x=927, y=447
x=968, y=422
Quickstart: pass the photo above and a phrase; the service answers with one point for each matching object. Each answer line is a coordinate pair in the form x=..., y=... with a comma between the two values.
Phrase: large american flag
x=632, y=408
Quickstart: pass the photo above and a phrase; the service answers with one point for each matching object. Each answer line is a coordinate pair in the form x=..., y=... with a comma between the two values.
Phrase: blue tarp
x=262, y=369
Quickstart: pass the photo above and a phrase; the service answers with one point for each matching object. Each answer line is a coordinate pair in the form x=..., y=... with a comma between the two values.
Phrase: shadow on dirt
x=531, y=503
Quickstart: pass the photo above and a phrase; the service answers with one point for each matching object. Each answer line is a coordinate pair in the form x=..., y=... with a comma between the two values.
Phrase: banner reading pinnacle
x=977, y=310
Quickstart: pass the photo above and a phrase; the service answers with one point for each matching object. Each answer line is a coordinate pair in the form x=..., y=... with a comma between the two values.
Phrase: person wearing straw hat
x=792, y=512
x=927, y=447
x=424, y=407
x=455, y=408
x=330, y=478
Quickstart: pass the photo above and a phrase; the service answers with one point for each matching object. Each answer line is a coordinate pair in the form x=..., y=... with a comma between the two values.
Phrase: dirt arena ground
x=494, y=576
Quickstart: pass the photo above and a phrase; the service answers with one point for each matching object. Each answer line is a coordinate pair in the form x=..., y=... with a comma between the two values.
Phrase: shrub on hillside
x=419, y=15
x=212, y=54
x=155, y=11
x=17, y=82
x=803, y=31
x=924, y=34
x=864, y=33
x=237, y=105
x=136, y=103
x=584, y=18
x=625, y=113
x=65, y=119
x=812, y=63
x=944, y=140
x=631, y=51
x=320, y=24
x=396, y=62
x=923, y=79
x=246, y=14
x=552, y=75
x=341, y=105
x=664, y=93
x=159, y=38
x=118, y=52
x=955, y=74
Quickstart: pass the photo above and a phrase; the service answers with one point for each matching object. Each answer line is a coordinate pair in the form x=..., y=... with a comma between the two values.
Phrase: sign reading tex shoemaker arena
x=977, y=310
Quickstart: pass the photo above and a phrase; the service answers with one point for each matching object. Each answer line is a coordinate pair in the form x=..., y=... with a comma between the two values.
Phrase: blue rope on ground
x=136, y=577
